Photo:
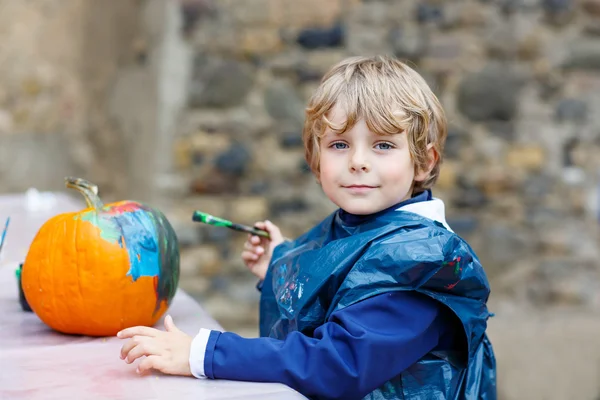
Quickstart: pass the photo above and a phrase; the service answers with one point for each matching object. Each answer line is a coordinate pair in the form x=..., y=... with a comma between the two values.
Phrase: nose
x=359, y=162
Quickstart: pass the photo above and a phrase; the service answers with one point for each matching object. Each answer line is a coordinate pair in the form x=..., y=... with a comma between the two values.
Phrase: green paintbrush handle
x=216, y=221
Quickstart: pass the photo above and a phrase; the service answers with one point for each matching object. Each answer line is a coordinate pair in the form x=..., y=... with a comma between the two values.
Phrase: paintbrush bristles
x=4, y=235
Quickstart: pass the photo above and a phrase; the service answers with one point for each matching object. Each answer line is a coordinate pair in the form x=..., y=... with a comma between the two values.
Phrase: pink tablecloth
x=38, y=363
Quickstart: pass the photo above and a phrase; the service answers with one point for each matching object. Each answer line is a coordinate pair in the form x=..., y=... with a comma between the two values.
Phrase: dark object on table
x=22, y=299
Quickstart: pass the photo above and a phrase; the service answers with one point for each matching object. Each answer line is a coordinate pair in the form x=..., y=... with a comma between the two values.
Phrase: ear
x=432, y=159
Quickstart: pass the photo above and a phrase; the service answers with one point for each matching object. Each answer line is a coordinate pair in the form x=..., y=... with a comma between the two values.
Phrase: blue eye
x=384, y=146
x=339, y=145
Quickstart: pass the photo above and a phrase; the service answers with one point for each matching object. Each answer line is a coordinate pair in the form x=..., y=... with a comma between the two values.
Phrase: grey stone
x=540, y=217
x=293, y=205
x=304, y=167
x=286, y=61
x=408, y=42
x=463, y=225
x=216, y=234
x=370, y=13
x=259, y=187
x=306, y=74
x=291, y=140
x=234, y=161
x=247, y=123
x=435, y=81
x=571, y=110
x=490, y=94
x=558, y=12
x=194, y=10
x=526, y=5
x=314, y=38
x=584, y=54
x=508, y=7
x=503, y=245
x=427, y=13
x=502, y=129
x=198, y=158
x=536, y=187
x=283, y=103
x=444, y=49
x=469, y=196
x=219, y=83
x=501, y=41
x=214, y=182
x=219, y=283
x=456, y=140
x=188, y=234
x=369, y=42
x=592, y=27
x=557, y=6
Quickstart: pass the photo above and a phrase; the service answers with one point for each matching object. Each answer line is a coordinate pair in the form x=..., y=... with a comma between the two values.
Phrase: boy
x=379, y=300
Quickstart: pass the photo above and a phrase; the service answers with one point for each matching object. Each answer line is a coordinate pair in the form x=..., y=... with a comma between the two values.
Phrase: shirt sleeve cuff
x=198, y=353
x=201, y=353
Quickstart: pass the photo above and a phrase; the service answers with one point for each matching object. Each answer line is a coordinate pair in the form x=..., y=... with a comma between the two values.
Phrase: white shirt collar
x=431, y=209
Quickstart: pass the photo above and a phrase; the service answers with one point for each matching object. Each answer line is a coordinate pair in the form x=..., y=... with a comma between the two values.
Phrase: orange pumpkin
x=102, y=269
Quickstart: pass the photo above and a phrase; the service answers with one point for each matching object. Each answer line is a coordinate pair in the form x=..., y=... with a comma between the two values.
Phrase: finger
x=150, y=362
x=254, y=247
x=274, y=231
x=170, y=324
x=137, y=331
x=255, y=240
x=143, y=349
x=249, y=256
x=130, y=344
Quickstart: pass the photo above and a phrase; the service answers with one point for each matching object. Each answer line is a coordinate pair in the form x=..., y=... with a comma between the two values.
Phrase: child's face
x=362, y=172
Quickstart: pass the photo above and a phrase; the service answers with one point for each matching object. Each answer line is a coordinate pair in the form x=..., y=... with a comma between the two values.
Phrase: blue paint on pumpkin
x=139, y=235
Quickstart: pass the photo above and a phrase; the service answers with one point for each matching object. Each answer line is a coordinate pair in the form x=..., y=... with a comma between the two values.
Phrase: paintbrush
x=4, y=234
x=216, y=221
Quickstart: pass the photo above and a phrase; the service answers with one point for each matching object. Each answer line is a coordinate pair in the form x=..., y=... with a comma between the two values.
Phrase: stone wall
x=520, y=82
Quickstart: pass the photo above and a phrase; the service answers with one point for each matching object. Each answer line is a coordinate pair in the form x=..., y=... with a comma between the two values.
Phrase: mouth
x=359, y=189
x=359, y=186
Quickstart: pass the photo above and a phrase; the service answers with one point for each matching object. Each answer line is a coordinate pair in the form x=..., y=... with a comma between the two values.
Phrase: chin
x=360, y=209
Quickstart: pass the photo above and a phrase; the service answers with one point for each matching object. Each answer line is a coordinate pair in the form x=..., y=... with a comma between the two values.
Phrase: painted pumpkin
x=102, y=269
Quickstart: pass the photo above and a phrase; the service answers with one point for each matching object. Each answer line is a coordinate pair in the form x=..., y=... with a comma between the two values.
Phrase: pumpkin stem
x=87, y=189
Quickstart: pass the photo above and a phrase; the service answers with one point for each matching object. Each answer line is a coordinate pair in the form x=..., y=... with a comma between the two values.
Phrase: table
x=39, y=363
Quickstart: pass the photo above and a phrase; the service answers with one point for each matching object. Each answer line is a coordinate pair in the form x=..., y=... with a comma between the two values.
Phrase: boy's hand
x=258, y=250
x=167, y=352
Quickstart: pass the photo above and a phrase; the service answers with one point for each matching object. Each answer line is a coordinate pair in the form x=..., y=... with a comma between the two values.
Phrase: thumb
x=274, y=232
x=170, y=325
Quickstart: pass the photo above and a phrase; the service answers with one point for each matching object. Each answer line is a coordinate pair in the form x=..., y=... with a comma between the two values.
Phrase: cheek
x=327, y=168
x=398, y=170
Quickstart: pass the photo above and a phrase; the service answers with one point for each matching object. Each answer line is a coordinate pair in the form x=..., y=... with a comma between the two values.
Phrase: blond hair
x=391, y=98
